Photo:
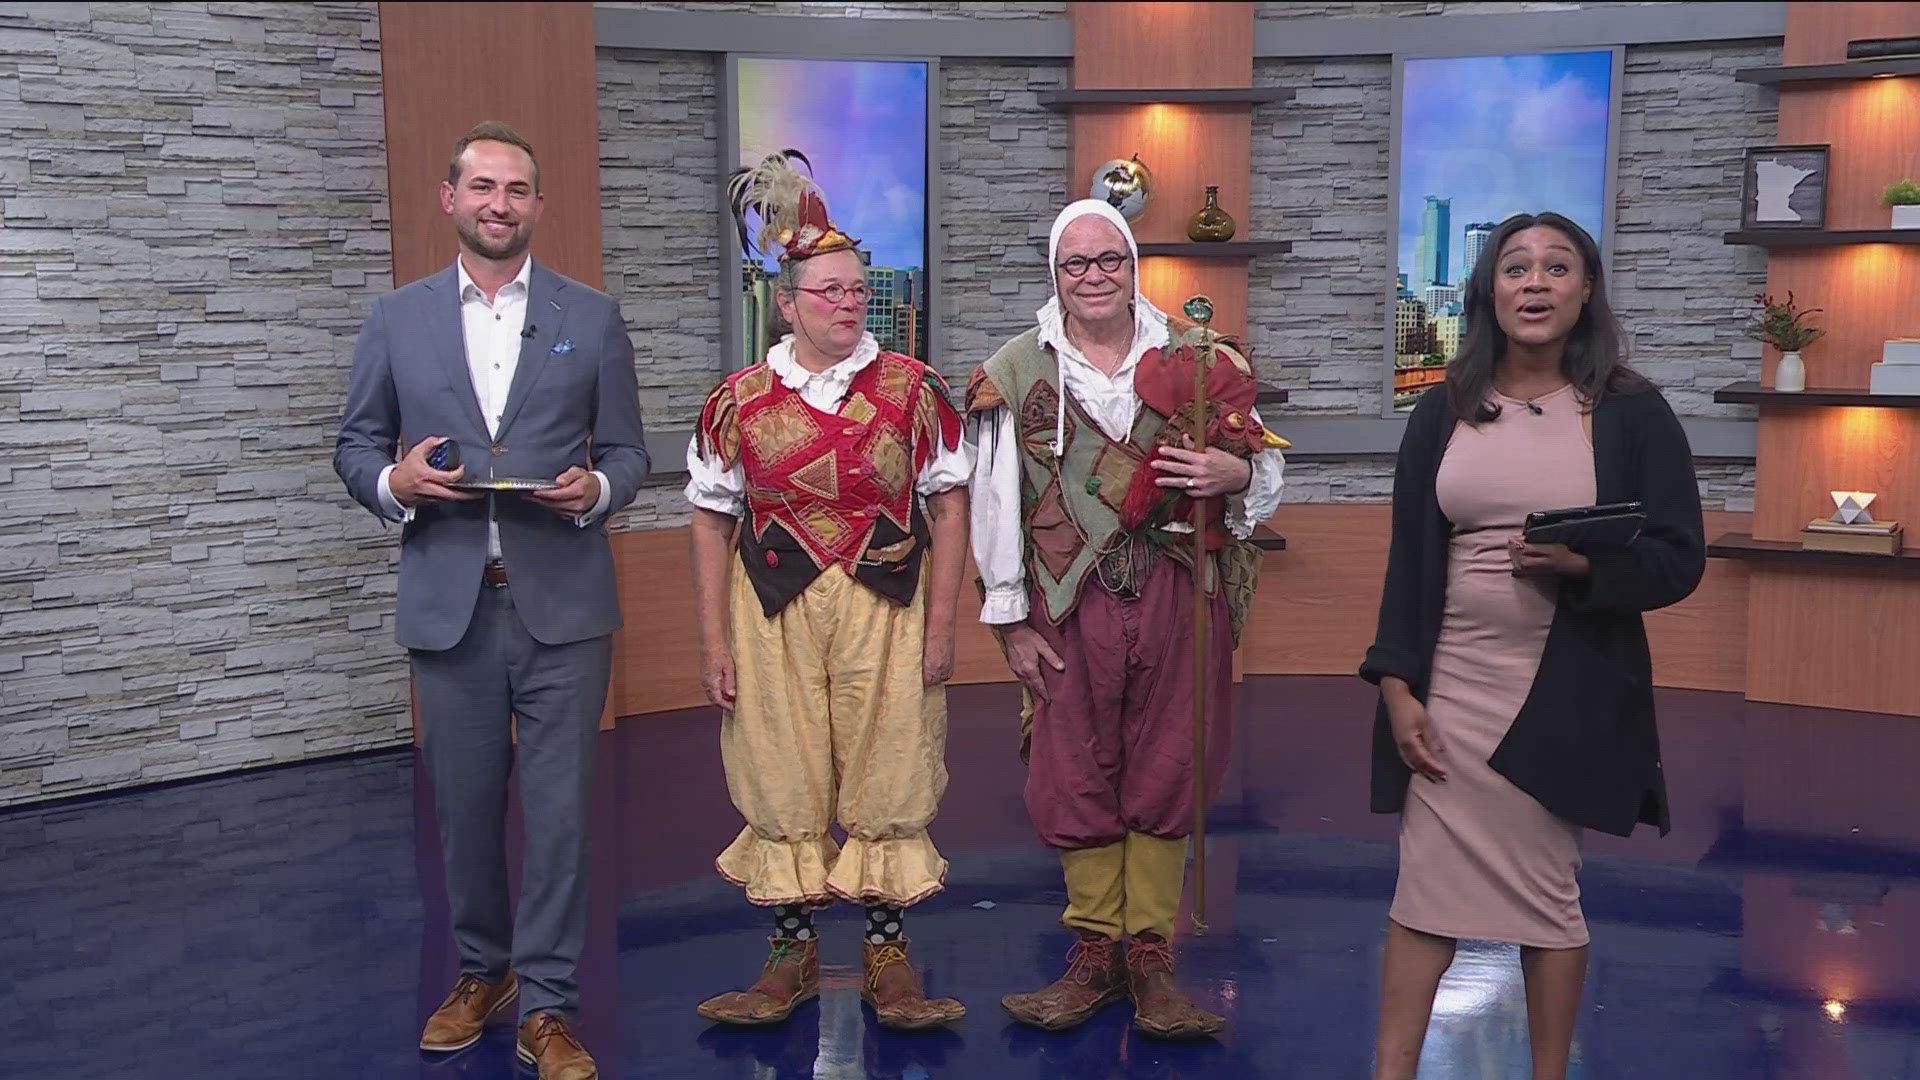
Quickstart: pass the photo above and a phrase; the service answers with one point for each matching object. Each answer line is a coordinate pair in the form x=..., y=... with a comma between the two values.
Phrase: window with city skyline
x=863, y=125
x=1482, y=138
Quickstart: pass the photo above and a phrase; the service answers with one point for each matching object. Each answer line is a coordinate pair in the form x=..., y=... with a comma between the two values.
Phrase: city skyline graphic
x=1483, y=138
x=862, y=124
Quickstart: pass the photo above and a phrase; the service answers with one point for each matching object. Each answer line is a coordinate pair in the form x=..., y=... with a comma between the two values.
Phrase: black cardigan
x=1584, y=743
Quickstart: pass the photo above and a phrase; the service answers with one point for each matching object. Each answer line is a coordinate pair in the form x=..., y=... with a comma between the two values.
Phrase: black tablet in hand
x=1607, y=525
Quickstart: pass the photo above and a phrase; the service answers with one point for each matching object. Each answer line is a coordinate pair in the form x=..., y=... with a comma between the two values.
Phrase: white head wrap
x=1074, y=212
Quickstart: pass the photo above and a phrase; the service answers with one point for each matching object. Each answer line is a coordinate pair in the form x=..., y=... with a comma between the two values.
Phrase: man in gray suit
x=507, y=600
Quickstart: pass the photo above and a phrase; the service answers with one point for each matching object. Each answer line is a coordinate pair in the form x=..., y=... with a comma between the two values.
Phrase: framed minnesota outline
x=1784, y=187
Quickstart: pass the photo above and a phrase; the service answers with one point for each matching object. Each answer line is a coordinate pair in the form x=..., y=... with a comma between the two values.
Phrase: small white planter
x=1791, y=375
x=1906, y=217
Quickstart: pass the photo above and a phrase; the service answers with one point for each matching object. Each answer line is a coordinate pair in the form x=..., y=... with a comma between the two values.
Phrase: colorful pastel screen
x=1483, y=138
x=863, y=126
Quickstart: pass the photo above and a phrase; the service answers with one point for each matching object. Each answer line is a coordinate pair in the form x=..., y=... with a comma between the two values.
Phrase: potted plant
x=1904, y=198
x=1783, y=326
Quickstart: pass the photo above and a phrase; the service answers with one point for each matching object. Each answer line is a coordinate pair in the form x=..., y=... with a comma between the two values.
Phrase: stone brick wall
x=192, y=219
x=659, y=239
x=866, y=9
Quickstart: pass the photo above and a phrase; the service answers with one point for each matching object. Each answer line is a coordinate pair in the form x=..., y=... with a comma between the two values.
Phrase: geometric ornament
x=1852, y=507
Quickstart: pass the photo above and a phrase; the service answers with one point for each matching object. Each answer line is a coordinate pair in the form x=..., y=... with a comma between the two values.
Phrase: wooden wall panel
x=1806, y=453
x=444, y=68
x=1186, y=147
x=1867, y=295
x=1701, y=642
x=1168, y=283
x=1835, y=639
x=1842, y=639
x=1121, y=46
x=1318, y=600
x=1869, y=126
x=1818, y=33
x=1314, y=613
x=537, y=75
x=656, y=656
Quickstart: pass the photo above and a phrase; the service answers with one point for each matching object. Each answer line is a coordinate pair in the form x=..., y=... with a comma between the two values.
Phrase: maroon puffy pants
x=1112, y=746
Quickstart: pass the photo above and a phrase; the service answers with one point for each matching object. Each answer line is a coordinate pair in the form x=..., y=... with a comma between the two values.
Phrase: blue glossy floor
x=291, y=923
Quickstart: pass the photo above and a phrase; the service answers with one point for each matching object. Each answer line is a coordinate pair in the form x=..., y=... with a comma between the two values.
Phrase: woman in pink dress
x=1516, y=704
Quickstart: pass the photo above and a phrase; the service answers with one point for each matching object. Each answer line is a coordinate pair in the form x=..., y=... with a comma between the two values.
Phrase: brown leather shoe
x=547, y=1043
x=893, y=990
x=790, y=978
x=460, y=1019
x=1096, y=977
x=1160, y=1008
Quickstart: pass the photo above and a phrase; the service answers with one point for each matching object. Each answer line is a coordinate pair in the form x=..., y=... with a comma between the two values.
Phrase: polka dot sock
x=885, y=924
x=793, y=922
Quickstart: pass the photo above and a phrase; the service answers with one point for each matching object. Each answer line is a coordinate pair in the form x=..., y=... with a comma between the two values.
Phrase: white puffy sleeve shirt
x=725, y=490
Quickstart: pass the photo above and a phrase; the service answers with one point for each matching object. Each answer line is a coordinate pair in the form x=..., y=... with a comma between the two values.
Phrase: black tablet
x=1608, y=525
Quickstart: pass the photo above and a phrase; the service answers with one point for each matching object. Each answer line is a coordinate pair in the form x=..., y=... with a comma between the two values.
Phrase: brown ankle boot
x=1160, y=1008
x=460, y=1019
x=791, y=977
x=893, y=990
x=1095, y=977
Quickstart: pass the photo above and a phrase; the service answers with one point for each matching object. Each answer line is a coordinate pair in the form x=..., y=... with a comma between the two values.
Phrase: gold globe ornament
x=1125, y=185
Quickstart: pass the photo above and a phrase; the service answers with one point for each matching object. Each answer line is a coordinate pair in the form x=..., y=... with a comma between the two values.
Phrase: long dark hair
x=1595, y=359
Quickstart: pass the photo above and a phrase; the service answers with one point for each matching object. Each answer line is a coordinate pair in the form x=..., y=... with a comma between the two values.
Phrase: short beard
x=479, y=244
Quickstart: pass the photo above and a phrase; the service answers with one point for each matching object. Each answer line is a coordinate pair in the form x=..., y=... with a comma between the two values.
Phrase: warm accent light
x=1835, y=1010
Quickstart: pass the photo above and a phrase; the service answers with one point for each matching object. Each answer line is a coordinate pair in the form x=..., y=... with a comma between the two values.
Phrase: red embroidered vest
x=839, y=485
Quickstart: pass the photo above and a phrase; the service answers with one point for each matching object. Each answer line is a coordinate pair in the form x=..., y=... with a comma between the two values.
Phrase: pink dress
x=1479, y=858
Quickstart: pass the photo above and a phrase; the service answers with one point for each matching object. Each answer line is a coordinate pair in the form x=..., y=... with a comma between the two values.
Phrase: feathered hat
x=792, y=209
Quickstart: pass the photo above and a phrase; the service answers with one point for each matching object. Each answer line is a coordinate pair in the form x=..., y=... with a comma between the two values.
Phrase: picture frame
x=1784, y=187
x=1476, y=137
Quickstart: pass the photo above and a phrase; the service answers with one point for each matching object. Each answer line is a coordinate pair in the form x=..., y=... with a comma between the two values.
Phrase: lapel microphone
x=1534, y=409
x=532, y=329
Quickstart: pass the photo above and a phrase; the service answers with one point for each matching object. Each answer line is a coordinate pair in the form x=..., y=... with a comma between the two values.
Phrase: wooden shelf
x=1744, y=546
x=1816, y=73
x=1267, y=540
x=1062, y=100
x=1752, y=393
x=1821, y=237
x=1225, y=249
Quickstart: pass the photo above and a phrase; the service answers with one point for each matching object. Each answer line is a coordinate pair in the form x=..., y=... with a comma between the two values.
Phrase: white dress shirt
x=490, y=332
x=725, y=490
x=999, y=543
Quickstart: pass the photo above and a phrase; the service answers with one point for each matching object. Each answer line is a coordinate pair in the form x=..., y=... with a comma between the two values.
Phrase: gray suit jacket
x=574, y=401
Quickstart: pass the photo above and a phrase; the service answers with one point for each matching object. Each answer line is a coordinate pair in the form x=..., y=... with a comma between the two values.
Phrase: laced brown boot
x=547, y=1044
x=893, y=989
x=790, y=978
x=1096, y=976
x=460, y=1019
x=1160, y=1008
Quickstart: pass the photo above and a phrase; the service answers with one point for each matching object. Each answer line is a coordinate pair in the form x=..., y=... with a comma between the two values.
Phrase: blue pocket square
x=561, y=348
